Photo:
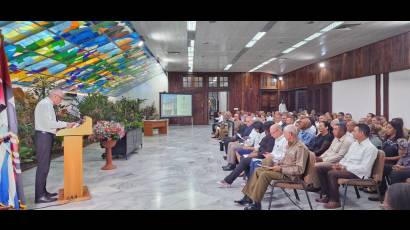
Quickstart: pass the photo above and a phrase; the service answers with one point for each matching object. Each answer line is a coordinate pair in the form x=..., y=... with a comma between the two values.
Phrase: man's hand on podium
x=71, y=124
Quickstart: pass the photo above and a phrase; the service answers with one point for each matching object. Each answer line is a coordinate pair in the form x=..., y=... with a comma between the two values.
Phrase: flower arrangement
x=105, y=130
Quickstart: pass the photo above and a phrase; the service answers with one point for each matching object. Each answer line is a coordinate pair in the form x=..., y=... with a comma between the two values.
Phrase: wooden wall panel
x=392, y=54
x=243, y=93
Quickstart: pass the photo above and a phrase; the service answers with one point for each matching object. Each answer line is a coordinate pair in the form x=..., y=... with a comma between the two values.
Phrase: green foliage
x=97, y=107
x=127, y=112
x=41, y=88
x=150, y=112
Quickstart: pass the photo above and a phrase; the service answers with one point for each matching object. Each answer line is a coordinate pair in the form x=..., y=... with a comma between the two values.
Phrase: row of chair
x=306, y=181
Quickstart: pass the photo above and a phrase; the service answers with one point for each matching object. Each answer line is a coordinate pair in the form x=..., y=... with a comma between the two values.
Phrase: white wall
x=399, y=88
x=357, y=96
x=149, y=90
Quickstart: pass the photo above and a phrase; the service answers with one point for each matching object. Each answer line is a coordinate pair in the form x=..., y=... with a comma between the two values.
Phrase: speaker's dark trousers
x=43, y=143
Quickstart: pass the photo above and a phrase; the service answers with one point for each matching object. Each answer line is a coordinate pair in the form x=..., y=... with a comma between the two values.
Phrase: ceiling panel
x=218, y=42
x=81, y=56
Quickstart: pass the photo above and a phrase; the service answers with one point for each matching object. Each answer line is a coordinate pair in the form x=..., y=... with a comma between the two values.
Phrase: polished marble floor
x=174, y=171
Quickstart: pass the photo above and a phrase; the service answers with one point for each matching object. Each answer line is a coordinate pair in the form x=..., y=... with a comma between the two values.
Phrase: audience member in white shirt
x=337, y=150
x=356, y=164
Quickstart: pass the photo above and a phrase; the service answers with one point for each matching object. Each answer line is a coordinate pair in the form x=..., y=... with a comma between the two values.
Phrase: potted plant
x=108, y=133
x=127, y=112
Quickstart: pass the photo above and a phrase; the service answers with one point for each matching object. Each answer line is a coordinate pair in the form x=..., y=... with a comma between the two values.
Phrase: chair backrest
x=378, y=166
x=231, y=126
x=310, y=168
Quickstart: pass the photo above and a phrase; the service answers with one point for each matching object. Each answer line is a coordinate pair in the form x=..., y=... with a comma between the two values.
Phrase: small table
x=161, y=125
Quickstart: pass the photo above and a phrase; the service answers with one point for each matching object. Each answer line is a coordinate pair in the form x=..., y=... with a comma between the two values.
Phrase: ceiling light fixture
x=256, y=38
x=313, y=36
x=227, y=67
x=280, y=78
x=299, y=44
x=263, y=64
x=331, y=26
x=322, y=65
x=288, y=50
x=191, y=25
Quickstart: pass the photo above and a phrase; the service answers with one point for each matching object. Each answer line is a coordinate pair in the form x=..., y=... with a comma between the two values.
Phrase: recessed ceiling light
x=280, y=78
x=288, y=50
x=299, y=44
x=322, y=65
x=191, y=25
x=331, y=26
x=252, y=42
x=313, y=36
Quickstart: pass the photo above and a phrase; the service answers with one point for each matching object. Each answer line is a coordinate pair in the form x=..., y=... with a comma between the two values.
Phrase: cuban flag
x=11, y=186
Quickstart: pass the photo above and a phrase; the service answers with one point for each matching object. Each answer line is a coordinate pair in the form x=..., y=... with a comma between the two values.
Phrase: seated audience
x=374, y=135
x=221, y=131
x=305, y=134
x=341, y=116
x=232, y=143
x=290, y=120
x=328, y=116
x=350, y=127
x=312, y=127
x=401, y=171
x=233, y=147
x=278, y=119
x=291, y=166
x=323, y=140
x=398, y=197
x=284, y=117
x=391, y=150
x=376, y=120
x=383, y=121
x=269, y=117
x=218, y=121
x=236, y=123
x=252, y=145
x=356, y=164
x=369, y=118
x=339, y=147
x=405, y=130
x=277, y=153
x=348, y=117
x=266, y=145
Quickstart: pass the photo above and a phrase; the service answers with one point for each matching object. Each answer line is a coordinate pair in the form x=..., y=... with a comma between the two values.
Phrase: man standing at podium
x=46, y=126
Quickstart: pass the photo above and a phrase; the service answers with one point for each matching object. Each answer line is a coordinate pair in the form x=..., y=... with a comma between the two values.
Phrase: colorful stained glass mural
x=78, y=56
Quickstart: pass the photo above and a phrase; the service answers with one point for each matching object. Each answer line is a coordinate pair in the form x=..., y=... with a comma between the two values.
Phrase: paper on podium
x=85, y=129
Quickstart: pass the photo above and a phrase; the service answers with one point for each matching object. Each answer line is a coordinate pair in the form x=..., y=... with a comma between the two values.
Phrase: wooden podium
x=74, y=190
